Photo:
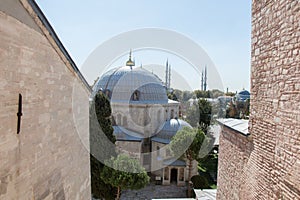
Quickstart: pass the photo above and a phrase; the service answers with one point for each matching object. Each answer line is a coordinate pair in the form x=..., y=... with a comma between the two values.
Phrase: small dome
x=170, y=128
x=132, y=84
x=244, y=92
x=243, y=95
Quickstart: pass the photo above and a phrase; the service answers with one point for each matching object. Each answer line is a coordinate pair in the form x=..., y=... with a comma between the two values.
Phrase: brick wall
x=47, y=160
x=272, y=170
x=234, y=151
x=275, y=103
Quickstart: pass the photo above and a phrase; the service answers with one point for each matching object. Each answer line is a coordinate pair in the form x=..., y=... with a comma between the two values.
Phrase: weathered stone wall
x=272, y=170
x=47, y=159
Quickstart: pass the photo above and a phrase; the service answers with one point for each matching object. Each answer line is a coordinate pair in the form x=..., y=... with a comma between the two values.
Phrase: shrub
x=200, y=182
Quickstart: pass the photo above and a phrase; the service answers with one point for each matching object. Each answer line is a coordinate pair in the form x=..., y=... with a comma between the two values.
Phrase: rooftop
x=239, y=125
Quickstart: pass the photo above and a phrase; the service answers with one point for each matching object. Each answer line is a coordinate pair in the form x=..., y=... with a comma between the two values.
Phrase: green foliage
x=100, y=189
x=103, y=113
x=172, y=96
x=100, y=124
x=202, y=94
x=216, y=93
x=205, y=110
x=192, y=115
x=231, y=94
x=208, y=166
x=187, y=143
x=127, y=173
x=200, y=182
x=181, y=96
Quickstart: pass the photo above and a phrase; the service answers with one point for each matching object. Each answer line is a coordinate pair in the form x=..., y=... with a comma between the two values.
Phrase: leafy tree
x=231, y=94
x=171, y=95
x=100, y=112
x=127, y=173
x=187, y=144
x=205, y=110
x=216, y=93
x=202, y=94
x=208, y=166
x=103, y=113
x=181, y=96
x=186, y=95
x=192, y=115
x=200, y=182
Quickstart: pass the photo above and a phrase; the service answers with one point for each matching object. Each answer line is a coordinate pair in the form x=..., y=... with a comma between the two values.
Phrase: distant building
x=145, y=120
x=242, y=96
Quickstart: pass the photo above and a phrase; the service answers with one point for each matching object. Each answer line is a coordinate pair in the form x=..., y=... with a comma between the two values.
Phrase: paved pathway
x=155, y=191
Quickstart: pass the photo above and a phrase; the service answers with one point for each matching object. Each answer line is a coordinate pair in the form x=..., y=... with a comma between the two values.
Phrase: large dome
x=132, y=84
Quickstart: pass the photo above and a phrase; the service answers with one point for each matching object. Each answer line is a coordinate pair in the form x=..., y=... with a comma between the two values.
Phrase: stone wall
x=272, y=170
x=275, y=103
x=47, y=159
x=234, y=152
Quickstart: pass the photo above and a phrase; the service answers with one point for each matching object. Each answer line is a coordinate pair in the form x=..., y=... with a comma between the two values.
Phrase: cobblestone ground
x=155, y=191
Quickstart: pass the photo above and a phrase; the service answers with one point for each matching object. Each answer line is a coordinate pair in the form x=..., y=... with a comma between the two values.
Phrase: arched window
x=158, y=115
x=135, y=96
x=172, y=114
x=124, y=121
x=119, y=116
x=107, y=93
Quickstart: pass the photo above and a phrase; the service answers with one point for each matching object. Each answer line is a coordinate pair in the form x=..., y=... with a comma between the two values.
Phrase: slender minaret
x=169, y=81
x=205, y=79
x=167, y=74
x=202, y=81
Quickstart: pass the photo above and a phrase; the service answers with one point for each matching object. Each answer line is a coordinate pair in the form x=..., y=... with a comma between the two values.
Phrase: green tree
x=103, y=113
x=171, y=95
x=100, y=123
x=205, y=110
x=208, y=166
x=187, y=144
x=215, y=93
x=127, y=173
x=192, y=115
x=200, y=182
x=231, y=94
x=202, y=94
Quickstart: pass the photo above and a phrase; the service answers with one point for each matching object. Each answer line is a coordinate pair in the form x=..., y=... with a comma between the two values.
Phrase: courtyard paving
x=153, y=191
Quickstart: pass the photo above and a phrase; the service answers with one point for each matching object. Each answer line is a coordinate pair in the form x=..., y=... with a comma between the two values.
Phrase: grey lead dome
x=132, y=84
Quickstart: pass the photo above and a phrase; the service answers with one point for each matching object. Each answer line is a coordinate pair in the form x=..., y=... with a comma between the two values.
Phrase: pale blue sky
x=221, y=28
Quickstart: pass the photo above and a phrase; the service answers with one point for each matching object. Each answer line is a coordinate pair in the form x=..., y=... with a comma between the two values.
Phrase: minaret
x=130, y=63
x=167, y=74
x=169, y=81
x=205, y=78
x=202, y=81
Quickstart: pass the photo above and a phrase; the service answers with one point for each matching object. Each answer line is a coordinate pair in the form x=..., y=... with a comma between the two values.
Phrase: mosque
x=145, y=120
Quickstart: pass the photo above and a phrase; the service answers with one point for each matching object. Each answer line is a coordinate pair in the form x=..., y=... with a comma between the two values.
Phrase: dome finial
x=130, y=63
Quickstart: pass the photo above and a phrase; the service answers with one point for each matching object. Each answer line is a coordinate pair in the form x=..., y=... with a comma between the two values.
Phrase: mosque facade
x=145, y=120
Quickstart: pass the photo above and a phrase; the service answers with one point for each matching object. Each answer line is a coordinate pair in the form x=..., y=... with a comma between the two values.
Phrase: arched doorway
x=174, y=173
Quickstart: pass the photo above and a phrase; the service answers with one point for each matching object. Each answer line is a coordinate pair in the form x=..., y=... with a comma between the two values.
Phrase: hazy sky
x=221, y=28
